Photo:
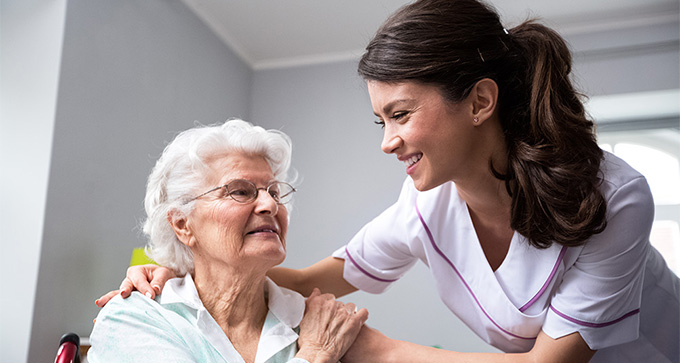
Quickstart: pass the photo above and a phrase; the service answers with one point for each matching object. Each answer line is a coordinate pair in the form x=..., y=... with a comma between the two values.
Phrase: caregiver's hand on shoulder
x=147, y=279
x=328, y=328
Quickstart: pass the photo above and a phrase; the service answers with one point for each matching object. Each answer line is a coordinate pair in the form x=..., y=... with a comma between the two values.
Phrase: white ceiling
x=279, y=33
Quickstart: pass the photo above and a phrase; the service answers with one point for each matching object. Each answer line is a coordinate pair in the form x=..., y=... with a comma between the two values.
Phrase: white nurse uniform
x=615, y=290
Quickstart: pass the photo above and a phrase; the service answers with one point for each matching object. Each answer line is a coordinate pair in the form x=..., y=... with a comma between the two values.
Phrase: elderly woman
x=216, y=213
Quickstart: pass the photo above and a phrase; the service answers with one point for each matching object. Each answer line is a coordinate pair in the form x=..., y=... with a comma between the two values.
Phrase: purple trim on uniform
x=434, y=245
x=547, y=282
x=364, y=271
x=593, y=325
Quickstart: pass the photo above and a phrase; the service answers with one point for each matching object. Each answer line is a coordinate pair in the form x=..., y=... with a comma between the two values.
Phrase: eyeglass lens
x=244, y=191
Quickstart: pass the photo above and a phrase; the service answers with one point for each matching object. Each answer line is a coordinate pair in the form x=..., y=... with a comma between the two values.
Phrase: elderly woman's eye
x=240, y=192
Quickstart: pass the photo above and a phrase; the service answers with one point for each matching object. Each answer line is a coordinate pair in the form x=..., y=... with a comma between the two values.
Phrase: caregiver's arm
x=373, y=346
x=325, y=275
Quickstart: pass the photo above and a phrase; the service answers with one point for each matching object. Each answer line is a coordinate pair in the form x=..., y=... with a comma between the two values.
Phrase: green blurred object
x=139, y=257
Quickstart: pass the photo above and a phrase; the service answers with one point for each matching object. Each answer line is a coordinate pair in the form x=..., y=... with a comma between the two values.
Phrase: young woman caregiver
x=536, y=238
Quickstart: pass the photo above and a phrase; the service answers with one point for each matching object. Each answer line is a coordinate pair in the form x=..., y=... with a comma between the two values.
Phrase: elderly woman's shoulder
x=138, y=308
x=140, y=329
x=135, y=303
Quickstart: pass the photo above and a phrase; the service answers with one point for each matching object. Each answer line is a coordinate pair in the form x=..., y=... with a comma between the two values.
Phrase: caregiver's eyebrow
x=391, y=105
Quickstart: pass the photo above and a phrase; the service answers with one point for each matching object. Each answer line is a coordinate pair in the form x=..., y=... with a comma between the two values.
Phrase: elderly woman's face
x=238, y=234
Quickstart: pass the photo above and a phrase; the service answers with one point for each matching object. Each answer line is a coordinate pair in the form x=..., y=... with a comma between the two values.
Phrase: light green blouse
x=176, y=327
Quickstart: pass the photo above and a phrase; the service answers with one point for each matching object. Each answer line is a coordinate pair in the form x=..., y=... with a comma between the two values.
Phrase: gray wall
x=133, y=74
x=30, y=50
x=631, y=59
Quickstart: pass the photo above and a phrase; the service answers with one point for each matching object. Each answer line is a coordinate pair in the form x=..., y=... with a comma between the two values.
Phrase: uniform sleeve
x=601, y=292
x=379, y=253
x=132, y=330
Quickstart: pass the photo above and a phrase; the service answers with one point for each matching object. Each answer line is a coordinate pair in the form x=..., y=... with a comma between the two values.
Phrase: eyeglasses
x=244, y=191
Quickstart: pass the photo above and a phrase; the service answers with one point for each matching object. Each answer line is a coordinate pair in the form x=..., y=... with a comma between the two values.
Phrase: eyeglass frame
x=257, y=191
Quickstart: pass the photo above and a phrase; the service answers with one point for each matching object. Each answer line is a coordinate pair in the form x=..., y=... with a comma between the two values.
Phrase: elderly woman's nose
x=266, y=204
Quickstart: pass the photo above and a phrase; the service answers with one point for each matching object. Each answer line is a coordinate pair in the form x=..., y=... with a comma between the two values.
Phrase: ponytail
x=554, y=159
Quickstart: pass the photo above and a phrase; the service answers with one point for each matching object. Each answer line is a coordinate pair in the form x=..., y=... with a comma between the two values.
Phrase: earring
x=475, y=120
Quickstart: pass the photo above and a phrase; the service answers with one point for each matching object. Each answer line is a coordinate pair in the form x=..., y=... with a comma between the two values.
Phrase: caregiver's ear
x=483, y=98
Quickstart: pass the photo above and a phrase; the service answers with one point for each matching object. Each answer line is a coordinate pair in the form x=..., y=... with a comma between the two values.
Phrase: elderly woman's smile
x=265, y=229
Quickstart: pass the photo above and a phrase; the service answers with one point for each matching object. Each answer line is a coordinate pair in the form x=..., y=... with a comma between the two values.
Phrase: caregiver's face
x=234, y=233
x=429, y=134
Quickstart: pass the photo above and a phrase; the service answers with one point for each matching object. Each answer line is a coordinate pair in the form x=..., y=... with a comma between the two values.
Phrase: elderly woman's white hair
x=180, y=172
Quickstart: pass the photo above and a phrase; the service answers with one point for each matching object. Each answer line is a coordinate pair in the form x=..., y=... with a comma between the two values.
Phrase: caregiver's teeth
x=412, y=160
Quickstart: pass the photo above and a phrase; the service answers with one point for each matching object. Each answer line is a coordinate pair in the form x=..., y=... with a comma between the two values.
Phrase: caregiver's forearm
x=325, y=275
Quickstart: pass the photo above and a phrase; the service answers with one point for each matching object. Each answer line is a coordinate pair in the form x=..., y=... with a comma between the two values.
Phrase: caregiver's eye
x=398, y=115
x=381, y=123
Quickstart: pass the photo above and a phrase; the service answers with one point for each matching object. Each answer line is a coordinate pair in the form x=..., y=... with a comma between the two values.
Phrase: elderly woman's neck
x=236, y=300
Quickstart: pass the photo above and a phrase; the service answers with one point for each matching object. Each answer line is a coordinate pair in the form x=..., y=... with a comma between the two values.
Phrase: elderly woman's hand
x=147, y=279
x=328, y=328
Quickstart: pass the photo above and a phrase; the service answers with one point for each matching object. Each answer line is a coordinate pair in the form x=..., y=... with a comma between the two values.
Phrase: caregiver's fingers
x=138, y=277
x=160, y=275
x=124, y=290
x=105, y=298
x=147, y=279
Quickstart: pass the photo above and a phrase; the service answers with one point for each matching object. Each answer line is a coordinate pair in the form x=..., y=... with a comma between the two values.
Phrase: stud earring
x=475, y=120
